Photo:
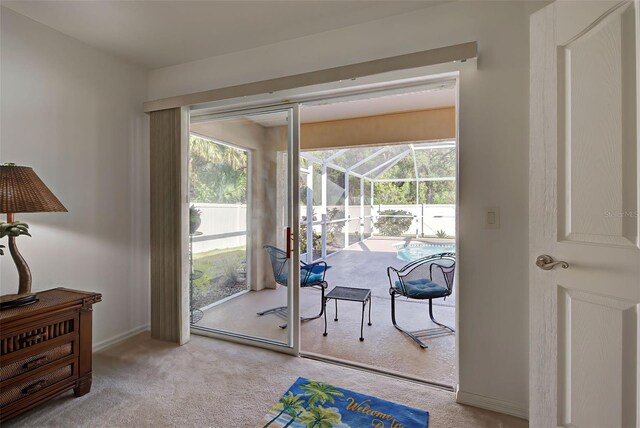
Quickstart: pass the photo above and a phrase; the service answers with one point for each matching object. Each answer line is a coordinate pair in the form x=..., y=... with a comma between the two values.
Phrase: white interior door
x=584, y=321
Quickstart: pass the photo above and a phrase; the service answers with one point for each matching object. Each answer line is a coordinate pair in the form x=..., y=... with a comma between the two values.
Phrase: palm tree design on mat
x=320, y=417
x=306, y=408
x=320, y=392
x=292, y=405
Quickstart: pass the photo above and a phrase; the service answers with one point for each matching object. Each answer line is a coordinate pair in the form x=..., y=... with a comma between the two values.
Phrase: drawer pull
x=35, y=363
x=35, y=387
x=31, y=339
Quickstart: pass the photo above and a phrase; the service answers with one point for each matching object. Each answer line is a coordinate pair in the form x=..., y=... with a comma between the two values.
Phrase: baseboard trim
x=494, y=404
x=119, y=338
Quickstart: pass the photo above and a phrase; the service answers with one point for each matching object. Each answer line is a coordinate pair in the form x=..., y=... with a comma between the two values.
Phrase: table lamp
x=22, y=191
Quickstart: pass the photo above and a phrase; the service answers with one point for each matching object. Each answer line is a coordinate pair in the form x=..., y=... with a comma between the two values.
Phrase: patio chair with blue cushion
x=429, y=278
x=311, y=275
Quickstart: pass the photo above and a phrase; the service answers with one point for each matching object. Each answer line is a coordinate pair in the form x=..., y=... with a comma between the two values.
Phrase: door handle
x=288, y=242
x=546, y=262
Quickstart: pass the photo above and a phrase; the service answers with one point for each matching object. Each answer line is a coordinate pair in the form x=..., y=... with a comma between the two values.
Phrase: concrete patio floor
x=361, y=265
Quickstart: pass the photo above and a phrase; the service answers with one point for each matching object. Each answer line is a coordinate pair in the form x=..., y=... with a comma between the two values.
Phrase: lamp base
x=15, y=300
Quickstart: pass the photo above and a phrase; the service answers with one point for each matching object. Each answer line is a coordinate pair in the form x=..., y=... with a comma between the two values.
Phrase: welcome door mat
x=312, y=404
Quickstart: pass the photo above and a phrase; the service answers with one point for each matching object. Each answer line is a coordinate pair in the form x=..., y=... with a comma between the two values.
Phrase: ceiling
x=156, y=34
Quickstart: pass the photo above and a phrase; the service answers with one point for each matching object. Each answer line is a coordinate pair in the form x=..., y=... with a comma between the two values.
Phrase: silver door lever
x=546, y=262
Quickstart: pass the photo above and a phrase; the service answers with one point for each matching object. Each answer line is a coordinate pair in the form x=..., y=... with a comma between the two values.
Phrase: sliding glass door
x=242, y=169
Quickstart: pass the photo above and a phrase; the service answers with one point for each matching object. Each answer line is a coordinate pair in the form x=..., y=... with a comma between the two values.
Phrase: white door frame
x=293, y=291
x=392, y=82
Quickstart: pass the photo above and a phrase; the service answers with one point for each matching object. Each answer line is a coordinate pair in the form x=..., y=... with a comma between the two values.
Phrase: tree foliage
x=429, y=163
x=432, y=163
x=401, y=193
x=394, y=226
x=217, y=173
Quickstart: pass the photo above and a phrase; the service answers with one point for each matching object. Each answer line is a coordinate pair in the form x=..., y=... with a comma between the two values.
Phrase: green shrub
x=317, y=239
x=335, y=234
x=393, y=226
x=215, y=263
x=230, y=269
x=441, y=234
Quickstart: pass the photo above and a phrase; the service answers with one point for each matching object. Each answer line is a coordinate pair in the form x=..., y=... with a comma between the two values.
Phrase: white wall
x=74, y=114
x=493, y=143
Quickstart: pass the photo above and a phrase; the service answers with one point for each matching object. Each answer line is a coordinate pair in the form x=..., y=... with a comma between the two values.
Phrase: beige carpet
x=212, y=383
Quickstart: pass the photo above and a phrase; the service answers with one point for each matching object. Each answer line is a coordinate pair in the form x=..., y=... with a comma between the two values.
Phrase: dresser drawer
x=14, y=343
x=36, y=384
x=45, y=349
x=36, y=361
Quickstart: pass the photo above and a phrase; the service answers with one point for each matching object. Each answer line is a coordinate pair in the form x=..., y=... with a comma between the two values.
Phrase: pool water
x=418, y=250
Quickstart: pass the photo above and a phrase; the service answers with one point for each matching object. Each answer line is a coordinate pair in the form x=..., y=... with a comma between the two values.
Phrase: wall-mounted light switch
x=492, y=218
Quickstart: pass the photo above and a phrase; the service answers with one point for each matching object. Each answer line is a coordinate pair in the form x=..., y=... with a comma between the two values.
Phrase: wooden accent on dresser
x=45, y=349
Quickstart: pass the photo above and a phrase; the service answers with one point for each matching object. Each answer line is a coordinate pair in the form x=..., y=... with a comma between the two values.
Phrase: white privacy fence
x=223, y=226
x=428, y=220
x=337, y=232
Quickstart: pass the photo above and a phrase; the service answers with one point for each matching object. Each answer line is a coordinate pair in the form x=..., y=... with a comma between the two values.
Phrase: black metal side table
x=351, y=294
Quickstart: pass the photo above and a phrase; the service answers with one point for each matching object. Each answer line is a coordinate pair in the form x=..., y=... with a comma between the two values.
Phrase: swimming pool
x=418, y=250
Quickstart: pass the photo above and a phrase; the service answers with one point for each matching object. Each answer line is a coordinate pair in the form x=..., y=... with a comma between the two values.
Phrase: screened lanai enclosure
x=349, y=195
x=362, y=205
x=346, y=197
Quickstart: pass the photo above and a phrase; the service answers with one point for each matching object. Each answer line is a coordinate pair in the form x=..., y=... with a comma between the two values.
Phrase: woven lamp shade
x=22, y=191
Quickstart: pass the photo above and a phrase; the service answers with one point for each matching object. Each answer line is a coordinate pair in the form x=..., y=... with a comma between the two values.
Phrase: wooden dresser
x=46, y=349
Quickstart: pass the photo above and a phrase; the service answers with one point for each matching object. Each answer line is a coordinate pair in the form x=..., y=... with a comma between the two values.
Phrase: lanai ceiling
x=373, y=104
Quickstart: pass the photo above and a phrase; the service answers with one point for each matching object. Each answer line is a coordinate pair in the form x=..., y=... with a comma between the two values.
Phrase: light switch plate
x=492, y=218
